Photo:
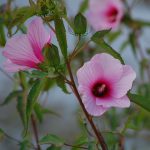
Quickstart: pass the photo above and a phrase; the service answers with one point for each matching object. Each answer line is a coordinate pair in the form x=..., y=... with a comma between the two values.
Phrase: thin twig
x=78, y=50
x=35, y=131
x=51, y=27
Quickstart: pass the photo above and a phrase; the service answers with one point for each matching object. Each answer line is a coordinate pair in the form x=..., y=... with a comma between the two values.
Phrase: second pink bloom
x=105, y=14
x=25, y=51
x=104, y=83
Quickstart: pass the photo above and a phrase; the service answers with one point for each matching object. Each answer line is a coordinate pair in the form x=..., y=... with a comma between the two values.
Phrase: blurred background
x=66, y=124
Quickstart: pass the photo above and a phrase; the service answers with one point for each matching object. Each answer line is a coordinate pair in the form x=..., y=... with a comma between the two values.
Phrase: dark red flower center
x=112, y=14
x=100, y=90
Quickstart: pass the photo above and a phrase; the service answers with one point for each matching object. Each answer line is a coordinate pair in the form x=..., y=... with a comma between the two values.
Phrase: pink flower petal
x=10, y=67
x=97, y=14
x=38, y=36
x=113, y=102
x=121, y=87
x=20, y=52
x=87, y=72
x=103, y=83
x=112, y=68
x=91, y=107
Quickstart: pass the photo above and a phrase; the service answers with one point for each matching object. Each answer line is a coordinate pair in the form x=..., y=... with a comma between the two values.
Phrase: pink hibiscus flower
x=104, y=83
x=25, y=51
x=105, y=14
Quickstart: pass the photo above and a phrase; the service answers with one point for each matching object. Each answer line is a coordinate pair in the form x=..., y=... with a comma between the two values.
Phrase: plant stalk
x=97, y=133
x=34, y=126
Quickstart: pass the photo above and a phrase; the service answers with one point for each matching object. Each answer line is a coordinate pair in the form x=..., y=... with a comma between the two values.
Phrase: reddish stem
x=97, y=133
x=35, y=131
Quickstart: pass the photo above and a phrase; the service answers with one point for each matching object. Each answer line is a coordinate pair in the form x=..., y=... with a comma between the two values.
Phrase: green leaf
x=80, y=141
x=112, y=36
x=21, y=109
x=33, y=96
x=21, y=15
x=61, y=35
x=83, y=6
x=36, y=74
x=23, y=81
x=53, y=147
x=132, y=42
x=106, y=48
x=49, y=83
x=2, y=34
x=142, y=101
x=24, y=145
x=48, y=111
x=2, y=134
x=61, y=83
x=10, y=97
x=52, y=139
x=99, y=35
x=91, y=146
x=144, y=89
x=32, y=3
x=80, y=24
x=144, y=64
x=40, y=111
x=51, y=54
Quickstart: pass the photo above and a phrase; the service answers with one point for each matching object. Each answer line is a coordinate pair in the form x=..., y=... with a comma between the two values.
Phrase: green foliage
x=53, y=147
x=2, y=33
x=2, y=134
x=20, y=15
x=132, y=41
x=83, y=6
x=10, y=97
x=51, y=54
x=61, y=83
x=144, y=64
x=99, y=35
x=41, y=111
x=33, y=96
x=49, y=83
x=113, y=119
x=52, y=139
x=80, y=141
x=91, y=146
x=50, y=8
x=144, y=89
x=80, y=24
x=32, y=3
x=112, y=36
x=98, y=39
x=112, y=141
x=142, y=101
x=61, y=35
x=21, y=104
x=36, y=74
x=24, y=145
